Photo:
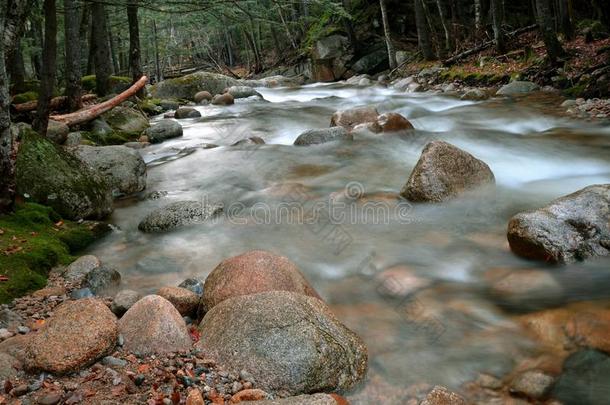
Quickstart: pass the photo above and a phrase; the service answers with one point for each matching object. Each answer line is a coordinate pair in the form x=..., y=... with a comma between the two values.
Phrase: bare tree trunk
x=157, y=62
x=441, y=14
x=565, y=17
x=386, y=33
x=116, y=68
x=49, y=57
x=285, y=25
x=7, y=142
x=135, y=65
x=496, y=15
x=101, y=54
x=423, y=33
x=545, y=21
x=15, y=67
x=72, y=45
x=478, y=20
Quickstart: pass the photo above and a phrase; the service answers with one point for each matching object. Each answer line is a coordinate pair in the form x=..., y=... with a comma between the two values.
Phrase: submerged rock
x=123, y=168
x=250, y=273
x=152, y=325
x=571, y=228
x=253, y=140
x=584, y=379
x=517, y=88
x=444, y=171
x=442, y=396
x=78, y=333
x=242, y=92
x=527, y=290
x=186, y=112
x=533, y=384
x=348, y=119
x=178, y=214
x=318, y=136
x=164, y=130
x=289, y=342
x=49, y=175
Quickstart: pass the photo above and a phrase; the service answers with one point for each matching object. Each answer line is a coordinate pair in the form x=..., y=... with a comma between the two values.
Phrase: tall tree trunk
x=116, y=67
x=15, y=67
x=228, y=47
x=101, y=51
x=441, y=13
x=565, y=18
x=497, y=19
x=36, y=54
x=7, y=142
x=423, y=34
x=545, y=21
x=135, y=65
x=49, y=68
x=157, y=59
x=72, y=45
x=478, y=16
x=386, y=33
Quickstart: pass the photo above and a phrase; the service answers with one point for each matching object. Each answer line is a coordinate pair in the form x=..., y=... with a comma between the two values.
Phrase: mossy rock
x=42, y=243
x=126, y=120
x=151, y=106
x=118, y=84
x=187, y=86
x=25, y=97
x=575, y=91
x=47, y=174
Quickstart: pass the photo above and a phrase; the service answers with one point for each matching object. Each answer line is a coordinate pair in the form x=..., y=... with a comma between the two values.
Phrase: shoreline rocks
x=443, y=172
x=290, y=343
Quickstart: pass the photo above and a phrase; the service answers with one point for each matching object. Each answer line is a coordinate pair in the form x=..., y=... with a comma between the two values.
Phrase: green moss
x=126, y=120
x=114, y=138
x=576, y=91
x=117, y=83
x=31, y=244
x=25, y=97
x=150, y=106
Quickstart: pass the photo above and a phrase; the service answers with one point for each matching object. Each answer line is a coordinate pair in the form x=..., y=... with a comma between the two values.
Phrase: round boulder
x=242, y=92
x=78, y=333
x=318, y=136
x=186, y=112
x=102, y=279
x=153, y=325
x=393, y=122
x=289, y=342
x=57, y=132
x=223, y=99
x=177, y=214
x=122, y=167
x=202, y=96
x=164, y=130
x=250, y=273
x=348, y=119
x=185, y=301
x=444, y=171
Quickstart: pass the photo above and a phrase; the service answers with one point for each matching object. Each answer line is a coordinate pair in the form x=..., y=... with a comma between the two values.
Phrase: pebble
x=19, y=390
x=81, y=293
x=533, y=384
x=139, y=380
x=50, y=399
x=22, y=330
x=113, y=362
x=5, y=334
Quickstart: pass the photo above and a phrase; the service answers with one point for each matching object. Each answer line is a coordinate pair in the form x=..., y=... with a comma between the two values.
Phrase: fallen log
x=56, y=103
x=485, y=45
x=96, y=110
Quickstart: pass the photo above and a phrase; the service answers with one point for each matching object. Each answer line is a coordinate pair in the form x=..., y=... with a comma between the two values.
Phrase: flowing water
x=333, y=209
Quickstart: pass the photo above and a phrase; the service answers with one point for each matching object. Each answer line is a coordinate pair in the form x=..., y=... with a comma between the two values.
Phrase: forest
x=304, y=202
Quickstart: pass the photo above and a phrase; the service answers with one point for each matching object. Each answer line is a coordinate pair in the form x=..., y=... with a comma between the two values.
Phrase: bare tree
x=423, y=33
x=49, y=68
x=386, y=32
x=497, y=19
x=100, y=49
x=547, y=28
x=135, y=66
x=73, y=54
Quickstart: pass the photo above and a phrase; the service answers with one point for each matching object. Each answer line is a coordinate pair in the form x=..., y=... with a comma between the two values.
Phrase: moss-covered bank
x=33, y=240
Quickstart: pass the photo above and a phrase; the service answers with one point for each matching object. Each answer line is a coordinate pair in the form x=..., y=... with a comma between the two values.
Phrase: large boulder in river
x=186, y=112
x=386, y=123
x=223, y=99
x=152, y=325
x=317, y=136
x=202, y=96
x=571, y=228
x=164, y=130
x=289, y=343
x=444, y=171
x=177, y=214
x=517, y=88
x=122, y=167
x=185, y=87
x=126, y=120
x=49, y=175
x=242, y=92
x=78, y=333
x=348, y=119
x=250, y=273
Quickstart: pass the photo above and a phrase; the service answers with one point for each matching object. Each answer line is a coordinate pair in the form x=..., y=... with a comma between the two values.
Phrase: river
x=362, y=248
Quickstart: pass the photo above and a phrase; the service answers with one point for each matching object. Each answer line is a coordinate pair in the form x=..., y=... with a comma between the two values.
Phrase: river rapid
x=413, y=280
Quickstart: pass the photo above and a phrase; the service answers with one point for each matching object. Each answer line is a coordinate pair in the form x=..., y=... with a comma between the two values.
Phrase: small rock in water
x=442, y=396
x=533, y=384
x=186, y=112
